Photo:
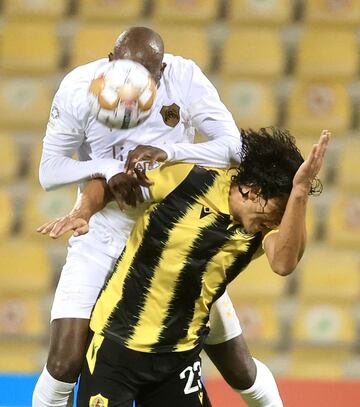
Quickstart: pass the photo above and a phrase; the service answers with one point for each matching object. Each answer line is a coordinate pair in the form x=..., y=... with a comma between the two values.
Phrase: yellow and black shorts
x=114, y=375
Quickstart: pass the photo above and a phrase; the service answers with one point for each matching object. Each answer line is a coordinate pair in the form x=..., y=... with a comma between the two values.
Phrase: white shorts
x=83, y=276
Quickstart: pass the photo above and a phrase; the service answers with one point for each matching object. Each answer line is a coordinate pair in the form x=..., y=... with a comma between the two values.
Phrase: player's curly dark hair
x=269, y=161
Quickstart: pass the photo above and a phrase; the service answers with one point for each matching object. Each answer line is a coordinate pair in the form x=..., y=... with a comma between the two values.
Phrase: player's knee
x=64, y=366
x=243, y=376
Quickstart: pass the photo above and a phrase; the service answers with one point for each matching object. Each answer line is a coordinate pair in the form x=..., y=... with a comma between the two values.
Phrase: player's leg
x=227, y=349
x=80, y=282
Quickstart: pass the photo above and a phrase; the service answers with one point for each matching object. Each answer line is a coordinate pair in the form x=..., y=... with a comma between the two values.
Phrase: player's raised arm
x=284, y=249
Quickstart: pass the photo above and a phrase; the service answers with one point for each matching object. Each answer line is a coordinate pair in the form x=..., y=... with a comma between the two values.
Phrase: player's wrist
x=81, y=213
x=301, y=191
x=115, y=168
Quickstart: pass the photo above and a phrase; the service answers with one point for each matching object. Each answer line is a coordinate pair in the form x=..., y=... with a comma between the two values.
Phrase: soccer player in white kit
x=186, y=101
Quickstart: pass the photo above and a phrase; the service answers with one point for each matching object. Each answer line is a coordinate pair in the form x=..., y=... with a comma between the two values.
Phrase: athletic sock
x=264, y=392
x=50, y=392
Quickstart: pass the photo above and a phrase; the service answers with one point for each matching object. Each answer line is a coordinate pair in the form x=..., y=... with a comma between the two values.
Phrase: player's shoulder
x=177, y=65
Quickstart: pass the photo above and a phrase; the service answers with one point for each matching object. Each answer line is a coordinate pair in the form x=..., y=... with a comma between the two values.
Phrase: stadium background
x=293, y=63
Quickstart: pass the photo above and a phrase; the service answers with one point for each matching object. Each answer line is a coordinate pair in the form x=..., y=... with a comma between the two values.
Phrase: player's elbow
x=45, y=178
x=284, y=267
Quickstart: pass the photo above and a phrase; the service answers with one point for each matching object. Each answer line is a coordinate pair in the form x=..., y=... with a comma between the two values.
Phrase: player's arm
x=208, y=115
x=97, y=194
x=65, y=133
x=285, y=248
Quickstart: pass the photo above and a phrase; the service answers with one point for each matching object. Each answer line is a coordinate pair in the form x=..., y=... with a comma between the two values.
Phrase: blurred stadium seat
x=7, y=214
x=24, y=268
x=332, y=13
x=34, y=162
x=254, y=12
x=35, y=9
x=329, y=275
x=252, y=103
x=9, y=158
x=189, y=42
x=317, y=362
x=253, y=53
x=42, y=206
x=316, y=105
x=259, y=321
x=348, y=166
x=29, y=48
x=22, y=316
x=323, y=323
x=25, y=103
x=257, y=281
x=101, y=37
x=21, y=356
x=185, y=11
x=114, y=10
x=327, y=54
x=343, y=221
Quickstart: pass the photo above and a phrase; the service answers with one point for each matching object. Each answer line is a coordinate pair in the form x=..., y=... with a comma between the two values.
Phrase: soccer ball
x=121, y=94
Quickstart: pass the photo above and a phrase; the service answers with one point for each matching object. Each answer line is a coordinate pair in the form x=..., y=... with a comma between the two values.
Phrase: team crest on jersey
x=98, y=401
x=171, y=114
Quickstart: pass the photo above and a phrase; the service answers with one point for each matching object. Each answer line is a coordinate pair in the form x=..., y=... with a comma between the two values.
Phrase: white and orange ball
x=122, y=94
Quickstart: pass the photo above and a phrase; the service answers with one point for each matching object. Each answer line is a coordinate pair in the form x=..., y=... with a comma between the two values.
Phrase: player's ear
x=254, y=193
x=244, y=192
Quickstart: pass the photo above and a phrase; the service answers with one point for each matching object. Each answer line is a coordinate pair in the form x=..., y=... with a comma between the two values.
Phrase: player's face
x=255, y=213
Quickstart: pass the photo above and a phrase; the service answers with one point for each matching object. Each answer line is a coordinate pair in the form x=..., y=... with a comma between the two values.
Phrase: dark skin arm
x=94, y=198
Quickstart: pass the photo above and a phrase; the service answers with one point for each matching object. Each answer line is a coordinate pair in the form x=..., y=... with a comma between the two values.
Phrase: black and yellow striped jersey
x=179, y=258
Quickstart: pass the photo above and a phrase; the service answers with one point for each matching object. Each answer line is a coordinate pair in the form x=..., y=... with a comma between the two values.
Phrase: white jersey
x=186, y=101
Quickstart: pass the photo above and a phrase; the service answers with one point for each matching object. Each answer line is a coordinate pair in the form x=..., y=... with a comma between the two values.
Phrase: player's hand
x=310, y=168
x=144, y=153
x=76, y=222
x=126, y=189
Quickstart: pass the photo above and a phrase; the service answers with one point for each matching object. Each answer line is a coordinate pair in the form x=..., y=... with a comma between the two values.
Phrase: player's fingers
x=142, y=178
x=65, y=226
x=131, y=196
x=138, y=194
x=46, y=227
x=133, y=157
x=119, y=199
x=82, y=230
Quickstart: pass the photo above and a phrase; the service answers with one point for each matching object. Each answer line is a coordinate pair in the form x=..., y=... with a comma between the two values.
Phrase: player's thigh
x=80, y=282
x=102, y=381
x=224, y=323
x=183, y=388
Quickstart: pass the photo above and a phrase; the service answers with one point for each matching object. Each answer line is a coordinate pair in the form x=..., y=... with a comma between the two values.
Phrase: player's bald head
x=143, y=45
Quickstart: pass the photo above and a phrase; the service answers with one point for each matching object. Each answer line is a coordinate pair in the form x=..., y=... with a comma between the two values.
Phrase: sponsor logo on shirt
x=171, y=114
x=204, y=212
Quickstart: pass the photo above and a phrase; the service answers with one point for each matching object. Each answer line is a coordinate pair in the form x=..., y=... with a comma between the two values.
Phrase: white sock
x=50, y=392
x=264, y=392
